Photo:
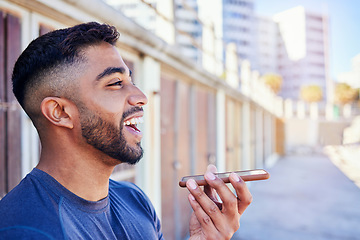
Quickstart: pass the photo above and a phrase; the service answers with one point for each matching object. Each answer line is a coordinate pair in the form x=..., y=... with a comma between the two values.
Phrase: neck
x=81, y=172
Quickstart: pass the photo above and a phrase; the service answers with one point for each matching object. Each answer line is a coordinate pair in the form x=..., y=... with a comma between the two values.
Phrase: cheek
x=109, y=103
x=108, y=109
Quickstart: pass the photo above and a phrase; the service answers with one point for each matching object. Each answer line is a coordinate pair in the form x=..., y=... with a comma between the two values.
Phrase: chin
x=129, y=155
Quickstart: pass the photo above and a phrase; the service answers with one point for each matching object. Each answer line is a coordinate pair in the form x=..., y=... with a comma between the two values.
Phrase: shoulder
x=29, y=193
x=23, y=196
x=28, y=208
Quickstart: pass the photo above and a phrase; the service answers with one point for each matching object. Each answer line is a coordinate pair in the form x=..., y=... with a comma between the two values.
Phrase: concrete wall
x=306, y=135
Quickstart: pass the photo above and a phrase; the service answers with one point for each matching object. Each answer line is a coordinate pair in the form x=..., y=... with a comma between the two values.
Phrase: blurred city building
x=293, y=43
x=182, y=15
x=196, y=22
x=238, y=26
x=189, y=29
x=303, y=50
x=268, y=43
x=138, y=11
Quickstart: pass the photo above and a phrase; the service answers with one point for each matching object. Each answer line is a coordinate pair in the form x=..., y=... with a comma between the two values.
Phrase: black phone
x=248, y=175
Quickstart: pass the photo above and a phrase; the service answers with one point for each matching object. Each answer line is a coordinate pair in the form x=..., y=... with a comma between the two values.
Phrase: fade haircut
x=50, y=64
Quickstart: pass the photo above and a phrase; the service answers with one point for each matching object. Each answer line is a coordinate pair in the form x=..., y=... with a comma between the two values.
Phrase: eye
x=115, y=83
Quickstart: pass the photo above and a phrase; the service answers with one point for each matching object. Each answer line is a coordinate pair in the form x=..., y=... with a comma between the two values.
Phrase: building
x=134, y=9
x=239, y=26
x=294, y=43
x=180, y=15
x=267, y=42
x=188, y=29
x=303, y=50
x=195, y=22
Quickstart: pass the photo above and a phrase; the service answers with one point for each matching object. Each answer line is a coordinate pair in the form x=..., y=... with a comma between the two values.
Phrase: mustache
x=132, y=111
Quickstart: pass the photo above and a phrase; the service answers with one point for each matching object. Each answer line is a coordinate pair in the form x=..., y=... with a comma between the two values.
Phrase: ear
x=58, y=111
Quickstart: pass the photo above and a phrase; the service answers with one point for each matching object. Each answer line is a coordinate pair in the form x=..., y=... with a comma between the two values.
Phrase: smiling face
x=110, y=105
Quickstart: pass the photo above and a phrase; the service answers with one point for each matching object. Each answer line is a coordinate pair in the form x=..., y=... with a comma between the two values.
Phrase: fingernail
x=192, y=184
x=211, y=168
x=235, y=177
x=210, y=176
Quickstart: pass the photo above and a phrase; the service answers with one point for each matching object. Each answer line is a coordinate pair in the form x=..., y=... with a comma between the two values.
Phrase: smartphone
x=249, y=175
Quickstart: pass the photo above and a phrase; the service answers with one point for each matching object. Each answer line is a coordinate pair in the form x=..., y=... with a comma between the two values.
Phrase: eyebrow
x=111, y=70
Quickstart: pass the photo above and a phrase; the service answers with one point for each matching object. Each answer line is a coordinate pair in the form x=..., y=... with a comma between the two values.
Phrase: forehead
x=101, y=57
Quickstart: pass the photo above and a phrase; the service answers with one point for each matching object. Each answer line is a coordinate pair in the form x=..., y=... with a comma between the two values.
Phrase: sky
x=344, y=26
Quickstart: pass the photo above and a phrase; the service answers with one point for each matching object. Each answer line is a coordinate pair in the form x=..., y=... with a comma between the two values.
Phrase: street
x=306, y=197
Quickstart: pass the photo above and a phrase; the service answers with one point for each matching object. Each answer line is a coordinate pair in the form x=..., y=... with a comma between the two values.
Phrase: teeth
x=134, y=121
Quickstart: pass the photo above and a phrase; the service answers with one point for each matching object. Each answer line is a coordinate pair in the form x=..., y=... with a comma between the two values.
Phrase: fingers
x=225, y=219
x=209, y=190
x=211, y=168
x=203, y=219
x=205, y=209
x=229, y=200
x=219, y=222
x=244, y=197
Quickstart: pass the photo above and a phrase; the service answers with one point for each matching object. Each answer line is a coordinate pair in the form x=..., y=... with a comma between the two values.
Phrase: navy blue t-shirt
x=41, y=208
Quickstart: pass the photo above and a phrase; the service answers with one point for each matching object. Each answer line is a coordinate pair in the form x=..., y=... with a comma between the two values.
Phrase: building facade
x=182, y=15
x=239, y=27
x=141, y=13
x=303, y=50
x=267, y=46
x=188, y=29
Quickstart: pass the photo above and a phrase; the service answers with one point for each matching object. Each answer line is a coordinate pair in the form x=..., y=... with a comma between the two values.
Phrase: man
x=78, y=92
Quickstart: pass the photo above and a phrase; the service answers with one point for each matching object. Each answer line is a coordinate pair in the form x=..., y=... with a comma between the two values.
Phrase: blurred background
x=241, y=84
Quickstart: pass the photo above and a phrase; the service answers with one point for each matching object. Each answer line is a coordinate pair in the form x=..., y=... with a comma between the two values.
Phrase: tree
x=274, y=81
x=344, y=93
x=311, y=93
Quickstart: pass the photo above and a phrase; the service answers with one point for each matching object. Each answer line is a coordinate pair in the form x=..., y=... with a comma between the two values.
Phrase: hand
x=212, y=219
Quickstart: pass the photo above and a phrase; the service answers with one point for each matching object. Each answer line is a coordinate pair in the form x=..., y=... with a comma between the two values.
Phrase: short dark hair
x=53, y=53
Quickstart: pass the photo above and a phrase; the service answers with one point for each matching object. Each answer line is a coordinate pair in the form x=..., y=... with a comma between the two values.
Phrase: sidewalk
x=306, y=198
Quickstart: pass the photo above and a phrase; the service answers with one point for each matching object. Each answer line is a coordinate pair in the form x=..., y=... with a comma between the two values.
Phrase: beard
x=109, y=138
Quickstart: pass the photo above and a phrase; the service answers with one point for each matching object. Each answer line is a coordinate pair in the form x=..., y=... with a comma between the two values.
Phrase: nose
x=137, y=97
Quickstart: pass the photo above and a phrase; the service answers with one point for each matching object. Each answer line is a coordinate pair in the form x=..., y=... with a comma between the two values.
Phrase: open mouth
x=133, y=122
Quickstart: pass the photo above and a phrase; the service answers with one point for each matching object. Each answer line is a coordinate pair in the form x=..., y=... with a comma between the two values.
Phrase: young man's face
x=110, y=105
